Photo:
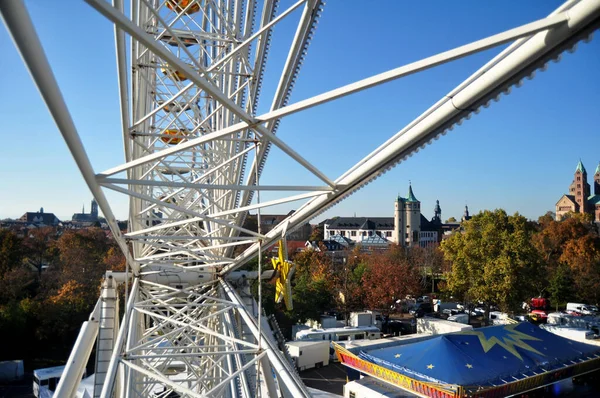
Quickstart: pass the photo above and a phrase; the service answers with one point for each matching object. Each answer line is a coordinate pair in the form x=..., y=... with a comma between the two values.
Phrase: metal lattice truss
x=195, y=148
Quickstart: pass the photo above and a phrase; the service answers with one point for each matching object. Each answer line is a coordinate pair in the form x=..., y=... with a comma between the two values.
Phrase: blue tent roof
x=482, y=357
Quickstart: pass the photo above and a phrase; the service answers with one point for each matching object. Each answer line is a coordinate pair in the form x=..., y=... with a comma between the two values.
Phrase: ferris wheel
x=195, y=147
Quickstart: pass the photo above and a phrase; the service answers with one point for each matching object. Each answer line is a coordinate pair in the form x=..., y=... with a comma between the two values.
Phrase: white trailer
x=439, y=326
x=362, y=319
x=309, y=354
x=45, y=380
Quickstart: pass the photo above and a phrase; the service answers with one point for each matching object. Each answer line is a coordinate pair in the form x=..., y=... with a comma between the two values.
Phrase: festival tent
x=480, y=359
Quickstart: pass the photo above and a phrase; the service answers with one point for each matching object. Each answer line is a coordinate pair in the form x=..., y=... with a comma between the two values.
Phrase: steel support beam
x=406, y=70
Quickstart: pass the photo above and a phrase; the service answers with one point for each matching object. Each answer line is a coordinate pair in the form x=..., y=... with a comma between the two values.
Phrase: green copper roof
x=594, y=200
x=580, y=167
x=598, y=168
x=411, y=195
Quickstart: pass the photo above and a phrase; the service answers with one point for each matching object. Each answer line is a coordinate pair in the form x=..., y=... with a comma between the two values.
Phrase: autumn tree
x=11, y=251
x=551, y=240
x=82, y=255
x=39, y=247
x=570, y=244
x=493, y=261
x=390, y=275
x=582, y=255
x=317, y=234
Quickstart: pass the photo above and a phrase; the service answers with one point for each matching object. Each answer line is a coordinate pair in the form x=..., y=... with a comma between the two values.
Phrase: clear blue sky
x=519, y=154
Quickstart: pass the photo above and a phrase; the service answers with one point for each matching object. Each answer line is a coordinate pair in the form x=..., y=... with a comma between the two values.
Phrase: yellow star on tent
x=284, y=271
x=469, y=366
x=430, y=366
x=397, y=355
x=510, y=341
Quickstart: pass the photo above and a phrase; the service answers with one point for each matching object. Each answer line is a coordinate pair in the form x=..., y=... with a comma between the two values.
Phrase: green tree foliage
x=561, y=285
x=311, y=298
x=494, y=260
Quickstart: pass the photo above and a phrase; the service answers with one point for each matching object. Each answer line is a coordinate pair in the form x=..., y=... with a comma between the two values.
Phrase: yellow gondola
x=174, y=107
x=174, y=74
x=180, y=5
x=173, y=136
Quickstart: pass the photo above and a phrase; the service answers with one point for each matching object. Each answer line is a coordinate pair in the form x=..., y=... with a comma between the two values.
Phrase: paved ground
x=20, y=390
x=329, y=378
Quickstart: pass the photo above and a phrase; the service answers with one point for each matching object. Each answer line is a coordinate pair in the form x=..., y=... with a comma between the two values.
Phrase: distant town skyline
x=519, y=154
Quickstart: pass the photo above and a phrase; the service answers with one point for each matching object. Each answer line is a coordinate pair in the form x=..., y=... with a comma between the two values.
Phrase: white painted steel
x=194, y=152
x=75, y=367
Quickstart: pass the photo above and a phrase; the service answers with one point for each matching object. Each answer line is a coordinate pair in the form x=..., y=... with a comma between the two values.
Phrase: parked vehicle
x=340, y=334
x=538, y=316
x=46, y=380
x=583, y=309
x=309, y=354
x=420, y=309
x=460, y=318
x=539, y=309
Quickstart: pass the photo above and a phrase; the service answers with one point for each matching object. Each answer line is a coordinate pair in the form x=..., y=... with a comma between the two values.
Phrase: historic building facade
x=408, y=227
x=580, y=199
x=92, y=216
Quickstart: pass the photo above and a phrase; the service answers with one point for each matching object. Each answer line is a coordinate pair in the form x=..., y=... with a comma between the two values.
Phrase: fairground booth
x=495, y=361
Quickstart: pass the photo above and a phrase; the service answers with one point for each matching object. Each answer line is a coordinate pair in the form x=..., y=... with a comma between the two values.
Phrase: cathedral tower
x=437, y=213
x=412, y=213
x=397, y=235
x=580, y=188
x=94, y=212
x=597, y=180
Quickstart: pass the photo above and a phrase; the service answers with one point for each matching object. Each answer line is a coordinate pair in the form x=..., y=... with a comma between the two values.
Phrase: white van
x=584, y=309
x=46, y=380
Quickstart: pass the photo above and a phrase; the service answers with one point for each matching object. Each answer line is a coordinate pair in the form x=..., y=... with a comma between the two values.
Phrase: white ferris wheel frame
x=186, y=289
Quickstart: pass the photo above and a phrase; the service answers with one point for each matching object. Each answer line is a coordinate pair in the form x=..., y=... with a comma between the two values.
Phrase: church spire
x=466, y=215
x=437, y=212
x=597, y=169
x=411, y=196
x=581, y=168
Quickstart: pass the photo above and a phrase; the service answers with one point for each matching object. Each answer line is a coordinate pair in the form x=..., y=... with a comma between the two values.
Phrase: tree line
x=49, y=283
x=50, y=279
x=494, y=259
x=506, y=260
